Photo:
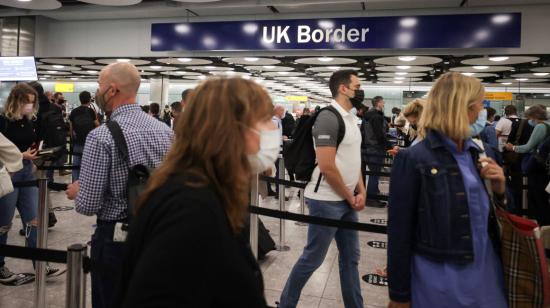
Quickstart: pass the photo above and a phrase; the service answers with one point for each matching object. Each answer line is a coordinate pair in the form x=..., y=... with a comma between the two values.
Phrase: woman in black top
x=16, y=124
x=184, y=248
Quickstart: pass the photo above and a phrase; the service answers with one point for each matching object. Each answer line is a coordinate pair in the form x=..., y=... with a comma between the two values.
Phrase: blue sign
x=406, y=32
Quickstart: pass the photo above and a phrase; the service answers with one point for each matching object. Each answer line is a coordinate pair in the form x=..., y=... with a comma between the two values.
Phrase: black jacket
x=374, y=128
x=181, y=252
x=289, y=124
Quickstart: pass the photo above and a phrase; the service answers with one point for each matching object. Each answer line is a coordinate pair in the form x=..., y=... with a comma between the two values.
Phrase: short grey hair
x=537, y=112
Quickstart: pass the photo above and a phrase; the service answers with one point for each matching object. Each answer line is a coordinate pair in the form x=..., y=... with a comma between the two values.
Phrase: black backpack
x=83, y=124
x=137, y=174
x=299, y=155
x=54, y=127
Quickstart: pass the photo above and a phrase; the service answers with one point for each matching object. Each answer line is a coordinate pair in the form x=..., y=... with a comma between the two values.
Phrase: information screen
x=17, y=69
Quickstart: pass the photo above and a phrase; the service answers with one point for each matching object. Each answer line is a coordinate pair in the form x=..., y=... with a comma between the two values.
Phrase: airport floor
x=322, y=290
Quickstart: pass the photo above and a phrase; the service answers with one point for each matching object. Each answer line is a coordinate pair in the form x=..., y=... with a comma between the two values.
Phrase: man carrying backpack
x=54, y=133
x=82, y=121
x=104, y=177
x=336, y=191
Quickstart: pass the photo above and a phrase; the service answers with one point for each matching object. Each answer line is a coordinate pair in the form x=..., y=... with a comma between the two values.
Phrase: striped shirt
x=103, y=174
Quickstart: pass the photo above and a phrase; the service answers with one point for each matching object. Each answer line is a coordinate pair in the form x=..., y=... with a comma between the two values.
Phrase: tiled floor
x=322, y=290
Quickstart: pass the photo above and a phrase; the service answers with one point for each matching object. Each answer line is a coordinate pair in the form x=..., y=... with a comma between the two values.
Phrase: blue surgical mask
x=532, y=123
x=479, y=124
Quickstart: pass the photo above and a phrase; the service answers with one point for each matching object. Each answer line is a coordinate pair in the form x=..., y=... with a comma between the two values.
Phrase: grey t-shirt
x=325, y=130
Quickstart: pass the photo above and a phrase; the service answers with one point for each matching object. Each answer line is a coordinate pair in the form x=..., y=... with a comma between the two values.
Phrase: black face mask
x=357, y=99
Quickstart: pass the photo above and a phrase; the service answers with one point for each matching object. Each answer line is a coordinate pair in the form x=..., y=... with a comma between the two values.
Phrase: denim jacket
x=428, y=211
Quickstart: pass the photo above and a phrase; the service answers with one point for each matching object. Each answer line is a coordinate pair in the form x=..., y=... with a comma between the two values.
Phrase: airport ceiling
x=117, y=9
x=493, y=70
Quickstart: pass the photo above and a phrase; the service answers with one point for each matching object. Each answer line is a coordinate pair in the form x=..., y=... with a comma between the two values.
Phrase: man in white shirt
x=336, y=191
x=504, y=126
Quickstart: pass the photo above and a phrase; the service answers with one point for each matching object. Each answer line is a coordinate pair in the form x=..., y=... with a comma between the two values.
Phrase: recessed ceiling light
x=401, y=73
x=333, y=67
x=185, y=59
x=540, y=74
x=92, y=72
x=522, y=79
x=52, y=72
x=24, y=0
x=283, y=73
x=407, y=58
x=547, y=94
x=251, y=59
x=534, y=62
x=210, y=67
x=246, y=77
x=446, y=62
x=399, y=78
x=58, y=66
x=74, y=78
x=403, y=67
x=498, y=59
x=122, y=60
x=468, y=74
x=325, y=59
x=506, y=83
x=480, y=67
x=269, y=67
x=202, y=77
x=155, y=67
x=398, y=81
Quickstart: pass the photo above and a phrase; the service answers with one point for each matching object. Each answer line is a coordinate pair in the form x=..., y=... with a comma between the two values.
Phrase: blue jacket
x=428, y=212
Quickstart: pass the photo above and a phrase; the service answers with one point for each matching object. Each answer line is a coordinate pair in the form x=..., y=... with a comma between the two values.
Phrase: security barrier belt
x=39, y=254
x=318, y=220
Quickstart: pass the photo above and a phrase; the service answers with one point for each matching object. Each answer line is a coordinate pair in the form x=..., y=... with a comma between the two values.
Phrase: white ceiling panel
x=112, y=2
x=156, y=68
x=406, y=74
x=404, y=68
x=528, y=80
x=269, y=68
x=184, y=61
x=32, y=5
x=332, y=68
x=408, y=60
x=499, y=60
x=326, y=61
x=133, y=61
x=59, y=67
x=482, y=69
x=326, y=7
x=531, y=75
x=252, y=60
x=66, y=61
x=237, y=10
x=545, y=69
x=492, y=3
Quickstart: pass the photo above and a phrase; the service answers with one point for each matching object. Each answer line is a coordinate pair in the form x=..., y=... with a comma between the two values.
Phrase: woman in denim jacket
x=440, y=234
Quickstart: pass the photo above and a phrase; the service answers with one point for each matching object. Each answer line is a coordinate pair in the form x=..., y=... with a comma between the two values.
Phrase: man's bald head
x=279, y=111
x=124, y=75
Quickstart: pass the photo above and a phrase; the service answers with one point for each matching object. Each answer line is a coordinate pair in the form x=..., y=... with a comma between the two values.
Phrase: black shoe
x=52, y=220
x=271, y=193
x=22, y=232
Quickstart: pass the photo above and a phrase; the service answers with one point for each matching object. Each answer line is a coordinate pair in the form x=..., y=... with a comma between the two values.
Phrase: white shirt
x=348, y=161
x=504, y=126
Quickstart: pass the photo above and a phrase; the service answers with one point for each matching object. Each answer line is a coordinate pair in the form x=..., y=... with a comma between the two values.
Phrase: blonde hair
x=446, y=110
x=19, y=95
x=414, y=108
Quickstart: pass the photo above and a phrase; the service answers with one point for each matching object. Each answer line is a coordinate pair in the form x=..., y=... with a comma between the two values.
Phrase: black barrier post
x=42, y=242
x=282, y=196
x=302, y=206
x=255, y=201
x=76, y=278
x=524, y=196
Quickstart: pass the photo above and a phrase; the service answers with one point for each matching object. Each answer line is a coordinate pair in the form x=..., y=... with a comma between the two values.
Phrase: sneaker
x=52, y=220
x=51, y=271
x=6, y=275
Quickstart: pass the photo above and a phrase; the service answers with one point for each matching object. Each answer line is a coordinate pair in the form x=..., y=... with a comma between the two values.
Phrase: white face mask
x=270, y=144
x=27, y=109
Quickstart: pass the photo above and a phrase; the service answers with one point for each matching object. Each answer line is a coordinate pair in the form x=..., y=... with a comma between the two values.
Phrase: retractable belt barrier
x=64, y=167
x=34, y=183
x=28, y=253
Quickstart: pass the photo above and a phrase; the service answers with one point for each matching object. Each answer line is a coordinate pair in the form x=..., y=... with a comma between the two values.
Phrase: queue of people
x=441, y=238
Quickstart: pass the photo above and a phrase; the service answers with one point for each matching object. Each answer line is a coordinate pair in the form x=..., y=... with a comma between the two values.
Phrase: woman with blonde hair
x=16, y=125
x=440, y=235
x=184, y=248
x=412, y=112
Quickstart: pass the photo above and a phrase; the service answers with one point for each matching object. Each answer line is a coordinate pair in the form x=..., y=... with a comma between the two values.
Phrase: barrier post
x=524, y=197
x=282, y=196
x=302, y=206
x=254, y=201
x=42, y=242
x=76, y=279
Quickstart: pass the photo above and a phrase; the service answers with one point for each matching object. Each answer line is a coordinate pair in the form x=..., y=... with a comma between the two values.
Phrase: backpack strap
x=519, y=132
x=120, y=141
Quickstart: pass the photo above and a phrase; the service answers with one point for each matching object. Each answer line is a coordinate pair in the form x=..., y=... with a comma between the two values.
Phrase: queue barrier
x=78, y=265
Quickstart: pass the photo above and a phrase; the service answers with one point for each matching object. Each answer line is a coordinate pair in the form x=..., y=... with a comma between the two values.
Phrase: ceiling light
x=480, y=67
x=24, y=0
x=251, y=59
x=202, y=77
x=446, y=62
x=58, y=66
x=185, y=59
x=403, y=67
x=407, y=58
x=333, y=67
x=399, y=78
x=547, y=94
x=155, y=67
x=210, y=67
x=498, y=59
x=540, y=74
x=522, y=79
x=180, y=73
x=269, y=67
x=122, y=60
x=325, y=59
x=283, y=73
x=398, y=81
x=52, y=72
x=74, y=78
x=92, y=72
x=468, y=74
x=506, y=83
x=534, y=62
x=401, y=73
x=246, y=77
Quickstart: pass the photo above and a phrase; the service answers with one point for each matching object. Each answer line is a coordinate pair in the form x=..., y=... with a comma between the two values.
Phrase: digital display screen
x=17, y=69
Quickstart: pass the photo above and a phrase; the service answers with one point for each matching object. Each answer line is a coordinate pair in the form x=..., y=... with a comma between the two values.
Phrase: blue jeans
x=374, y=164
x=77, y=148
x=107, y=259
x=318, y=242
x=25, y=199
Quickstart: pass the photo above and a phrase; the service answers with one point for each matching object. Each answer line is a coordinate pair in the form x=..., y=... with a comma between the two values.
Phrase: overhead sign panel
x=64, y=87
x=498, y=96
x=395, y=32
x=17, y=69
